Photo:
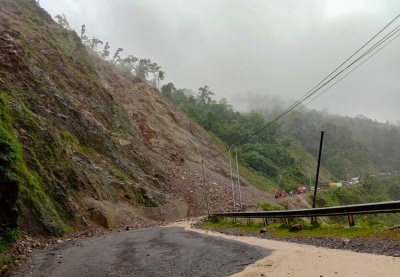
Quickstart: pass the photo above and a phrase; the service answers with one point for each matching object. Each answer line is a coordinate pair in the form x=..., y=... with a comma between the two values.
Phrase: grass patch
x=281, y=228
x=7, y=237
x=265, y=206
x=241, y=224
x=141, y=197
x=122, y=177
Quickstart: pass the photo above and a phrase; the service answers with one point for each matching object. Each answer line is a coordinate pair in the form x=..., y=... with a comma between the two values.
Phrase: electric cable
x=312, y=91
x=343, y=76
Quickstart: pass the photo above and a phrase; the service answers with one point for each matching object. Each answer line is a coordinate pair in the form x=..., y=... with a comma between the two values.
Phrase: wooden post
x=205, y=188
x=351, y=220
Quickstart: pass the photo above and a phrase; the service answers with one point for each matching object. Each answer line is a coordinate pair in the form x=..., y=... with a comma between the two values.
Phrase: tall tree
x=142, y=69
x=167, y=90
x=106, y=53
x=84, y=37
x=116, y=55
x=129, y=62
x=205, y=95
x=62, y=20
x=93, y=43
x=160, y=77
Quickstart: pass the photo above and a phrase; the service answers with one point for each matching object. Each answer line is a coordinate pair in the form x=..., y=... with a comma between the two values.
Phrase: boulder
x=295, y=228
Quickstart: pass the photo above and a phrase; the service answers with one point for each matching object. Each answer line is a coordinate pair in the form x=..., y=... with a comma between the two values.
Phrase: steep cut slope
x=88, y=142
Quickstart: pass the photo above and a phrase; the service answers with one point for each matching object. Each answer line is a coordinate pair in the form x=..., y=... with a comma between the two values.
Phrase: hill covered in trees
x=352, y=146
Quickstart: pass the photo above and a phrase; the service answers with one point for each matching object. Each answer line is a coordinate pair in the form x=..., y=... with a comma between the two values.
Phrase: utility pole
x=205, y=188
x=254, y=189
x=280, y=177
x=238, y=176
x=233, y=190
x=314, y=219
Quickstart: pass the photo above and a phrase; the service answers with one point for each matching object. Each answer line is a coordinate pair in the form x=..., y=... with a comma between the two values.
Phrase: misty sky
x=254, y=52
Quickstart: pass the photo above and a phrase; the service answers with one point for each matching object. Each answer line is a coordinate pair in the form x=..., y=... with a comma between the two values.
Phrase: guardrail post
x=287, y=220
x=314, y=220
x=265, y=221
x=234, y=220
x=351, y=220
x=248, y=221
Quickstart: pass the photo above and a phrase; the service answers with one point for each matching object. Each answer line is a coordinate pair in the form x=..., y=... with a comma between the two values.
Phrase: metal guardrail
x=370, y=208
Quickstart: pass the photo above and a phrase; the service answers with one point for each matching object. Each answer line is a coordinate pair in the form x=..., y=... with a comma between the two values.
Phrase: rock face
x=86, y=130
x=174, y=210
x=100, y=219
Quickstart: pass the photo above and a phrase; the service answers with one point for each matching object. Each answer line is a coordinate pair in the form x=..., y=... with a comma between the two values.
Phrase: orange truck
x=301, y=189
x=279, y=194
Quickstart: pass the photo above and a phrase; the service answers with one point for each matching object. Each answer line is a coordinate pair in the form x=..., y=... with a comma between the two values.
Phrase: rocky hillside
x=82, y=142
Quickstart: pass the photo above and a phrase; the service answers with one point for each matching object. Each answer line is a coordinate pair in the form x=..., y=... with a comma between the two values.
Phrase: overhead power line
x=322, y=83
x=319, y=86
x=384, y=28
x=344, y=75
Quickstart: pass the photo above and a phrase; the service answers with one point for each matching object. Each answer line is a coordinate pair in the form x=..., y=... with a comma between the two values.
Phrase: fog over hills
x=257, y=48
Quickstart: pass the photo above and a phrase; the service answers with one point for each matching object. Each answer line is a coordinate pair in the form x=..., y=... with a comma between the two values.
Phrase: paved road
x=156, y=251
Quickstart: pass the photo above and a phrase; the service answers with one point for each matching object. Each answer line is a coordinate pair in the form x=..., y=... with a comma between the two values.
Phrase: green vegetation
x=265, y=151
x=22, y=186
x=281, y=229
x=122, y=177
x=7, y=237
x=10, y=159
x=9, y=155
x=352, y=147
x=141, y=68
x=37, y=179
x=265, y=206
x=370, y=190
x=141, y=197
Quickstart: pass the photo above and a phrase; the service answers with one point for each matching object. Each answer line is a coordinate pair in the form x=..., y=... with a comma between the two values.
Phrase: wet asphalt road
x=156, y=251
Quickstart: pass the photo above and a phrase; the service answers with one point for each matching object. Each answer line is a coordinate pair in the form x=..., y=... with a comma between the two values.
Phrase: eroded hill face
x=91, y=142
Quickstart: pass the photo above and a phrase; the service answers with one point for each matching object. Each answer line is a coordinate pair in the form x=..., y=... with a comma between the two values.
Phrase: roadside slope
x=95, y=145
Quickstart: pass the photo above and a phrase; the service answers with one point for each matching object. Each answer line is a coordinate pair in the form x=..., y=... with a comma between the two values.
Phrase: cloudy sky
x=254, y=52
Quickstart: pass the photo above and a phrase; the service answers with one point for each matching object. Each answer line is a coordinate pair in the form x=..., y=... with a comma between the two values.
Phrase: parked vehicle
x=301, y=189
x=279, y=194
x=325, y=186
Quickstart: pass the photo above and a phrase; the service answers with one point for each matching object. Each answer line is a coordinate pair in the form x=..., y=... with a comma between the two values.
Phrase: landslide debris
x=97, y=148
